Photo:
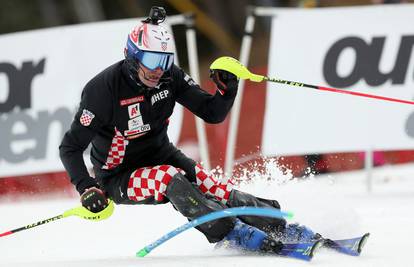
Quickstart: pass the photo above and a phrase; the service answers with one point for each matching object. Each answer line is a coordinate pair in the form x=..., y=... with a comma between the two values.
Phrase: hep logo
x=20, y=80
x=367, y=60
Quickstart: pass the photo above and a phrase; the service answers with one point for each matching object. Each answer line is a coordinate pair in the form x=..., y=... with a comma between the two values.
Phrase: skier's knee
x=149, y=182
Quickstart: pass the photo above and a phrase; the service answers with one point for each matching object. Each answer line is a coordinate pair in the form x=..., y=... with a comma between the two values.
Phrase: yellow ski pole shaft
x=80, y=211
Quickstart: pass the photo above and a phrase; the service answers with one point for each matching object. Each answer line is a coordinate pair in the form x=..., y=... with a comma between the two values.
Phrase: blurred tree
x=87, y=11
x=50, y=12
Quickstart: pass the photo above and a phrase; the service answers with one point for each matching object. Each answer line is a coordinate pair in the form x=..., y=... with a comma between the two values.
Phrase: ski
x=351, y=246
x=303, y=251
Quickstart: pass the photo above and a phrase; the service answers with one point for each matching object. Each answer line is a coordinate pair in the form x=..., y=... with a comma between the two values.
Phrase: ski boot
x=295, y=233
x=249, y=238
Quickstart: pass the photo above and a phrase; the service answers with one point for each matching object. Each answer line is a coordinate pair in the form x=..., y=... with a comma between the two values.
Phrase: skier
x=124, y=113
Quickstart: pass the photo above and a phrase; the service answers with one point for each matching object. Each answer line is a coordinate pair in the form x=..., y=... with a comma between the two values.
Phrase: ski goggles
x=154, y=60
x=151, y=60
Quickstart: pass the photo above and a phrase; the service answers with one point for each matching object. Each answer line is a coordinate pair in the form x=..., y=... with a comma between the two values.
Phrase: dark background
x=219, y=23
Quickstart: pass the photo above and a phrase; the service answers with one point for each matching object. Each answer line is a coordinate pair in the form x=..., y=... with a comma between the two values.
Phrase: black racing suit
x=116, y=110
x=127, y=127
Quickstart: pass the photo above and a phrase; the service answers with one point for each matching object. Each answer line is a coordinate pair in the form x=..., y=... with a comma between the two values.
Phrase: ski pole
x=80, y=211
x=234, y=66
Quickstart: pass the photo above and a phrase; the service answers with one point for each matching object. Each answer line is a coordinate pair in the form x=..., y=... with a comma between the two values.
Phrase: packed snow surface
x=337, y=206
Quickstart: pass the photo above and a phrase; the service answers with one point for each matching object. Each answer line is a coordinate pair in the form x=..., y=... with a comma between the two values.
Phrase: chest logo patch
x=132, y=100
x=159, y=96
x=138, y=130
x=135, y=123
x=133, y=111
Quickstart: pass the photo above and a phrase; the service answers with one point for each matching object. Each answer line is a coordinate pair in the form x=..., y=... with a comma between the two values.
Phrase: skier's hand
x=224, y=80
x=94, y=199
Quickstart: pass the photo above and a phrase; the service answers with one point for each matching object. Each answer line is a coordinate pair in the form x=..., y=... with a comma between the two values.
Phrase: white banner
x=363, y=49
x=42, y=74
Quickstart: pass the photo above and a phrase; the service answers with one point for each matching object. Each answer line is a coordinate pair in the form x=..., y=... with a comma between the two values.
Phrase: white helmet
x=151, y=45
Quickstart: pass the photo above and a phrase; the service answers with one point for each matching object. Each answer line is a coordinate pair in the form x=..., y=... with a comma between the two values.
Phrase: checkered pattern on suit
x=209, y=185
x=150, y=181
x=116, y=152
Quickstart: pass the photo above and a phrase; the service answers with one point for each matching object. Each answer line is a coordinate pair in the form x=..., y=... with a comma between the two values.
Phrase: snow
x=337, y=206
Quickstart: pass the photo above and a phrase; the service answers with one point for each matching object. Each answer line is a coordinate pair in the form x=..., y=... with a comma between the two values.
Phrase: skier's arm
x=211, y=108
x=75, y=141
x=95, y=110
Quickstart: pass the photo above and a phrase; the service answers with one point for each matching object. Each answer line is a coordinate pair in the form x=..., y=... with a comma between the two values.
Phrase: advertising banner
x=362, y=49
x=42, y=74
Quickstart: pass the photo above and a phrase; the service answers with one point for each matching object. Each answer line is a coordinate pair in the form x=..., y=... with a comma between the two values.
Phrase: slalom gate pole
x=80, y=211
x=231, y=212
x=234, y=66
x=336, y=90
